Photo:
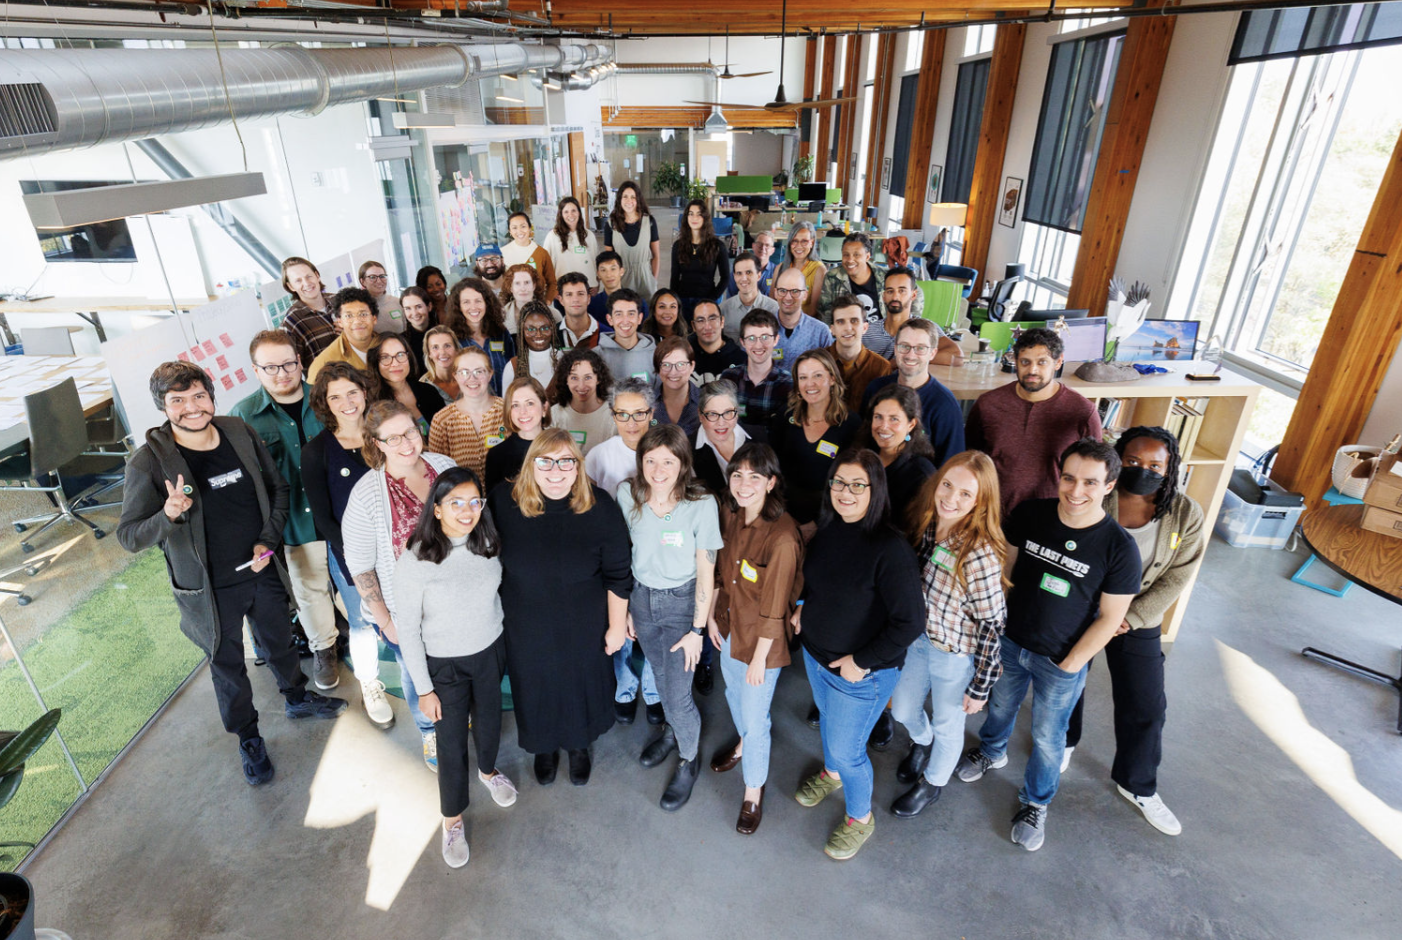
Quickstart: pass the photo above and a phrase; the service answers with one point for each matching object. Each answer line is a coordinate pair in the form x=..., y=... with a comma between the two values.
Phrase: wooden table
x=17, y=373
x=88, y=309
x=1368, y=559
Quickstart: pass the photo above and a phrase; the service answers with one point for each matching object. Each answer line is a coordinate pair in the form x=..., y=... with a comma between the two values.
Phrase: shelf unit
x=1230, y=402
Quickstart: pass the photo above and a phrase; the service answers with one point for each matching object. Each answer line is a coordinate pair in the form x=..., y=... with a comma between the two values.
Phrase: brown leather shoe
x=726, y=758
x=750, y=815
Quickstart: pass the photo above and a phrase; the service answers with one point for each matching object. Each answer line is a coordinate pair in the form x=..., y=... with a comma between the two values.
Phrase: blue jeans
x=661, y=617
x=365, y=647
x=749, y=709
x=1054, y=695
x=849, y=711
x=932, y=674
x=628, y=680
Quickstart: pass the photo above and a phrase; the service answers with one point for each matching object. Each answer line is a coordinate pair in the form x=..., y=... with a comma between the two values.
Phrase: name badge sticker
x=496, y=346
x=943, y=558
x=748, y=572
x=579, y=249
x=579, y=437
x=827, y=448
x=1054, y=585
x=493, y=440
x=674, y=539
x=640, y=375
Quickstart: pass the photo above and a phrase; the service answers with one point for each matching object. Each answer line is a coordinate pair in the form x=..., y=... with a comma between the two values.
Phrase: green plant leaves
x=23, y=745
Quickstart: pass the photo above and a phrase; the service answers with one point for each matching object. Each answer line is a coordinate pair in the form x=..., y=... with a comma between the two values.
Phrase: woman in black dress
x=566, y=578
x=817, y=428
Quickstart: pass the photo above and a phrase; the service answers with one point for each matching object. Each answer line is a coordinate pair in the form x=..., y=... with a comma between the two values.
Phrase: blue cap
x=487, y=249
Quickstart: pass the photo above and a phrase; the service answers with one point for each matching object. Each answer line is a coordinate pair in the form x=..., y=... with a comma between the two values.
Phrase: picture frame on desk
x=1012, y=195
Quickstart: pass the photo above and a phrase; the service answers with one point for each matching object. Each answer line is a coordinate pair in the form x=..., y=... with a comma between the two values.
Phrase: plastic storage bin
x=1245, y=525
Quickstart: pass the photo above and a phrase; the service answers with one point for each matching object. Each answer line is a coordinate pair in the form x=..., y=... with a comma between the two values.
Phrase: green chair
x=830, y=249
x=941, y=302
x=999, y=333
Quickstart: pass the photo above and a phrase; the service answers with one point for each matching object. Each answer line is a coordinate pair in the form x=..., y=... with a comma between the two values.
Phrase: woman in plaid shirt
x=958, y=534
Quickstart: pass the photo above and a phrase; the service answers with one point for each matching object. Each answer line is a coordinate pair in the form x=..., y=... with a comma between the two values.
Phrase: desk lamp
x=945, y=215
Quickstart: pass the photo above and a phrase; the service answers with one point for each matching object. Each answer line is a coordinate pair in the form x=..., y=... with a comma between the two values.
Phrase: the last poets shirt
x=1060, y=574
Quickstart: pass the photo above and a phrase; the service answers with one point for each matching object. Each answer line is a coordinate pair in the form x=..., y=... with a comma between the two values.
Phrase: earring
x=653, y=424
x=907, y=438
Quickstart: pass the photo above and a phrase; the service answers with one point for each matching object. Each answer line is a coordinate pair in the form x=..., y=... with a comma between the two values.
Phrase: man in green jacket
x=281, y=413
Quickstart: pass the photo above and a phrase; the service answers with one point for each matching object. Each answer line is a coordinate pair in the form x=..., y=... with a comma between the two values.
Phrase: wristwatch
x=699, y=631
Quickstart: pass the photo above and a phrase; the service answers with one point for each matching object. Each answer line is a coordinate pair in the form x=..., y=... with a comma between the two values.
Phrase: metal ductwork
x=662, y=68
x=52, y=99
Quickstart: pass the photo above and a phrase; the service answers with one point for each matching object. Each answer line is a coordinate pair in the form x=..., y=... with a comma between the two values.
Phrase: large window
x=1270, y=34
x=1079, y=82
x=900, y=147
x=959, y=156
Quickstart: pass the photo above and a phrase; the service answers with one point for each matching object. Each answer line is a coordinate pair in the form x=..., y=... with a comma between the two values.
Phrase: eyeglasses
x=697, y=321
x=789, y=291
x=539, y=329
x=473, y=373
x=730, y=414
x=550, y=463
x=758, y=339
x=399, y=357
x=675, y=366
x=394, y=440
x=357, y=316
x=627, y=417
x=376, y=277
x=857, y=489
x=907, y=348
x=273, y=368
x=458, y=504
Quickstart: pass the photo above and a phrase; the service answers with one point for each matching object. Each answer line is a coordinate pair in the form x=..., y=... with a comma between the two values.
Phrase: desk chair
x=1000, y=333
x=1000, y=298
x=941, y=302
x=59, y=411
x=46, y=341
x=830, y=249
x=954, y=272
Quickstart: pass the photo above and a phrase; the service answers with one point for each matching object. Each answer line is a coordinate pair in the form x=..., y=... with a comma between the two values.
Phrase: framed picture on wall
x=886, y=174
x=1012, y=195
x=936, y=178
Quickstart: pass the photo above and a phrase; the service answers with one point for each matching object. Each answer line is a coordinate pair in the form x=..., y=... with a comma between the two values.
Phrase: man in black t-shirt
x=206, y=490
x=1074, y=572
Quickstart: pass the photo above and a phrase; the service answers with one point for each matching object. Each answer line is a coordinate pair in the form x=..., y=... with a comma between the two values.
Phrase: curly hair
x=493, y=322
x=332, y=372
x=1167, y=493
x=509, y=278
x=559, y=390
x=535, y=308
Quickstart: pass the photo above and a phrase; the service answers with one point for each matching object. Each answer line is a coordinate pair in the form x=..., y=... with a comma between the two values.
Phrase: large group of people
x=618, y=499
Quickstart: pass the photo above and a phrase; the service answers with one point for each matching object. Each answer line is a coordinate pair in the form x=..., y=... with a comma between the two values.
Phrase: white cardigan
x=567, y=258
x=365, y=529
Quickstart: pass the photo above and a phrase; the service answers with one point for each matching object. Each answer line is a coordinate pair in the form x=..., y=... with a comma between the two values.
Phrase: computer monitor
x=812, y=192
x=1161, y=340
x=1083, y=338
x=1051, y=315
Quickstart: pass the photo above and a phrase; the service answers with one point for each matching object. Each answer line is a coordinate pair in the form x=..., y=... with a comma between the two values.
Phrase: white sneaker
x=1066, y=757
x=1159, y=816
x=372, y=693
x=455, y=851
x=431, y=751
x=503, y=790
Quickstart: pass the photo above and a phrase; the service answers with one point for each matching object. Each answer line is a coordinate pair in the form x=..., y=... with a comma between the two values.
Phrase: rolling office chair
x=59, y=412
x=954, y=272
x=1003, y=291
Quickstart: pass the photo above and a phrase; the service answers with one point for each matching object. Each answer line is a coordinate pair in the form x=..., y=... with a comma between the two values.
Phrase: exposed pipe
x=222, y=216
x=662, y=68
x=106, y=95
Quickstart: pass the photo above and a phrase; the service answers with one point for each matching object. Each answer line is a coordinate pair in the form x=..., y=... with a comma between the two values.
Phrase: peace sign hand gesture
x=176, y=500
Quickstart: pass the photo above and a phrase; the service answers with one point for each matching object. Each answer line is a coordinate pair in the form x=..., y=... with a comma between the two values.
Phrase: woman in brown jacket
x=759, y=574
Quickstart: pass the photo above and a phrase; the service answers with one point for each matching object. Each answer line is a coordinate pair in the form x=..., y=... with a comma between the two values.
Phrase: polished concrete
x=1287, y=776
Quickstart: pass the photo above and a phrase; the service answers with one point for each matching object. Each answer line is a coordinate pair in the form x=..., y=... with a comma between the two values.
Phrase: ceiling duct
x=86, y=97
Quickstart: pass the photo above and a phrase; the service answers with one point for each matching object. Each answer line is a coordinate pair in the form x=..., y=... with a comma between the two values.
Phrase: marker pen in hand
x=250, y=564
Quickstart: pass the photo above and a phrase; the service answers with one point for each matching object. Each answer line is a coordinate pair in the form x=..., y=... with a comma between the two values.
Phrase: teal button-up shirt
x=278, y=432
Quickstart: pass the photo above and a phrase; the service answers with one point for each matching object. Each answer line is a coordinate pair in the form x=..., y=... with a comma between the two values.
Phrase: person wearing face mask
x=309, y=319
x=522, y=249
x=1167, y=528
x=537, y=347
x=578, y=329
x=999, y=421
x=417, y=307
x=354, y=311
x=525, y=418
x=523, y=285
x=856, y=275
x=578, y=396
x=488, y=266
x=373, y=277
x=766, y=265
x=570, y=244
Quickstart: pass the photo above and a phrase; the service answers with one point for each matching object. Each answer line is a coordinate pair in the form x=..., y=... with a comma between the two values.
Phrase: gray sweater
x=450, y=609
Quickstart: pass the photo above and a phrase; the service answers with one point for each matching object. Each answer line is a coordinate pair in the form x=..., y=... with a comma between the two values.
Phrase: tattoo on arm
x=368, y=584
x=710, y=556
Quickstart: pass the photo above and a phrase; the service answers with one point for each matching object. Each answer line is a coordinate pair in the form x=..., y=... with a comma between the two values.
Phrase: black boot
x=884, y=731
x=705, y=679
x=915, y=762
x=656, y=752
x=914, y=800
x=580, y=766
x=679, y=790
x=545, y=766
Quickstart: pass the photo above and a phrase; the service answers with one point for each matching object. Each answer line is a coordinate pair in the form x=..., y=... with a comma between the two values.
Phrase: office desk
x=1374, y=561
x=24, y=375
x=88, y=309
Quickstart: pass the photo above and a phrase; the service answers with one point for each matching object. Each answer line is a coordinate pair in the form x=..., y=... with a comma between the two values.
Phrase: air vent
x=25, y=110
x=464, y=101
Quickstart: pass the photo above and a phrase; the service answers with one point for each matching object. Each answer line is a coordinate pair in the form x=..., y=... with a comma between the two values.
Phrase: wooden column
x=922, y=131
x=1127, y=122
x=986, y=189
x=881, y=113
x=824, y=142
x=1358, y=345
x=851, y=79
x=810, y=75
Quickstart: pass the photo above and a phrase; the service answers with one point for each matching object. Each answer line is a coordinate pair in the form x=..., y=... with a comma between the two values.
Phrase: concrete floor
x=1287, y=776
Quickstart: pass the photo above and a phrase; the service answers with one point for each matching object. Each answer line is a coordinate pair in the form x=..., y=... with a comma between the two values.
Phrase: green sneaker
x=848, y=838
x=817, y=788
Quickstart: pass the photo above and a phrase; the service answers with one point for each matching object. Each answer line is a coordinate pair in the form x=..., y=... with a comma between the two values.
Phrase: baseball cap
x=486, y=250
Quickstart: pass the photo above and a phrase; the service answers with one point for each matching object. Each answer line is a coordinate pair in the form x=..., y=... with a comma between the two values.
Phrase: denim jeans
x=661, y=617
x=849, y=711
x=749, y=709
x=365, y=648
x=628, y=679
x=941, y=677
x=1054, y=695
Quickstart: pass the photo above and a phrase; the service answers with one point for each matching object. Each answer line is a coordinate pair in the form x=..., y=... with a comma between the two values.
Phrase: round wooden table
x=1374, y=561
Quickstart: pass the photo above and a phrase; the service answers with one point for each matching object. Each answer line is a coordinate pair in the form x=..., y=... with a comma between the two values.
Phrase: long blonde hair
x=982, y=526
x=835, y=412
x=431, y=367
x=527, y=493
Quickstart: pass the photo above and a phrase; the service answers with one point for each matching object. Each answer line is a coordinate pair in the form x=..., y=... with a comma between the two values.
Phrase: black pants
x=1135, y=660
x=264, y=602
x=466, y=686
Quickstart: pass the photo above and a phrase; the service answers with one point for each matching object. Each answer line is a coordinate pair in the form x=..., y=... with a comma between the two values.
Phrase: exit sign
x=631, y=141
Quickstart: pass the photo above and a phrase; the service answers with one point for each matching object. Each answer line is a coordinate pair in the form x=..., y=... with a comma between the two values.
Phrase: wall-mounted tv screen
x=108, y=241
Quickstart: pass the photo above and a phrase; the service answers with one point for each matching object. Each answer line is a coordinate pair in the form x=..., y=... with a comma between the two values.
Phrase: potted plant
x=803, y=169
x=698, y=189
x=781, y=181
x=667, y=178
x=16, y=893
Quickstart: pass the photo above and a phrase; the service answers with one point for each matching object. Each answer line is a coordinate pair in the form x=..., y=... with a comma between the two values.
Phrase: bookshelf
x=1225, y=407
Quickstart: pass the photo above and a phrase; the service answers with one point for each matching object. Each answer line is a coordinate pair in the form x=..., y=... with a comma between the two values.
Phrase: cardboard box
x=1382, y=521
x=1385, y=488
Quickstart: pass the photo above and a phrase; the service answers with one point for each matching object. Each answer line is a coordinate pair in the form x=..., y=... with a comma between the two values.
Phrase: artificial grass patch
x=109, y=664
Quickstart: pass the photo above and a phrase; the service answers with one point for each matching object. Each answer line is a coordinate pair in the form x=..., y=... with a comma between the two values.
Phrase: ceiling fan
x=780, y=102
x=727, y=73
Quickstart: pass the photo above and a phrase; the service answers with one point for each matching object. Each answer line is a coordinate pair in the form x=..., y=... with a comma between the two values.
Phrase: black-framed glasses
x=839, y=485
x=551, y=463
x=730, y=414
x=273, y=368
x=789, y=291
x=674, y=366
x=394, y=440
x=627, y=417
x=907, y=348
x=400, y=357
x=377, y=277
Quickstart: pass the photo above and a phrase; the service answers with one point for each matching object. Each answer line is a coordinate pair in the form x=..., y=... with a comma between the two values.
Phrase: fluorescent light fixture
x=509, y=78
x=405, y=120
x=75, y=207
x=511, y=99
